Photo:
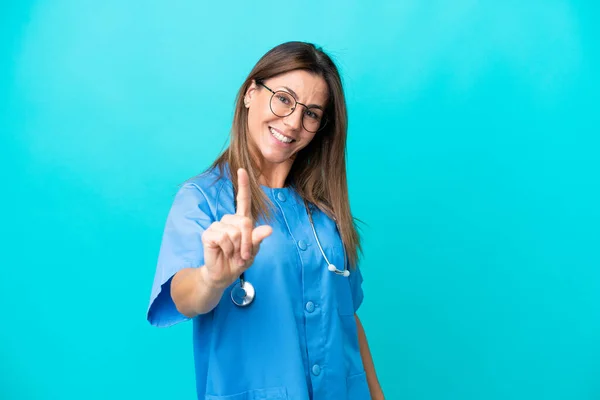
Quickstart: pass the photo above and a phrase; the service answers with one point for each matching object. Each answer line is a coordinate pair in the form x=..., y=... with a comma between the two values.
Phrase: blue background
x=473, y=157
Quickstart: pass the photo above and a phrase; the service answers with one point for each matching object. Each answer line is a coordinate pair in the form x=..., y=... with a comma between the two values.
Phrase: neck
x=274, y=175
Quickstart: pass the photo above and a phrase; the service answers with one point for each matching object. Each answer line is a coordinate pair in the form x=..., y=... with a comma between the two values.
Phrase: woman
x=261, y=250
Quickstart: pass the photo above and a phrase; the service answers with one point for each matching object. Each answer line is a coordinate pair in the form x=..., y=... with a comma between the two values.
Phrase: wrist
x=209, y=290
x=205, y=281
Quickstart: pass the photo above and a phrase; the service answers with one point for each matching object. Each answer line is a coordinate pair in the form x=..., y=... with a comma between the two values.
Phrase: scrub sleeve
x=181, y=247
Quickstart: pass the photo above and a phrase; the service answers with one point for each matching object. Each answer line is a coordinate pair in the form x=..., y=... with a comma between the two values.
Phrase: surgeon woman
x=261, y=250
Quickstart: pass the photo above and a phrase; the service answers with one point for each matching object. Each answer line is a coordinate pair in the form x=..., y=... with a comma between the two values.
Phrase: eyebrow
x=296, y=96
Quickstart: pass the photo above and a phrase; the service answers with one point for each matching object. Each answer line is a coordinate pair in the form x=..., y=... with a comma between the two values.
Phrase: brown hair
x=319, y=170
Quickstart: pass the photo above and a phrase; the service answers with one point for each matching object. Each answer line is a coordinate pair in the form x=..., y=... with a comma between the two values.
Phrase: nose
x=294, y=120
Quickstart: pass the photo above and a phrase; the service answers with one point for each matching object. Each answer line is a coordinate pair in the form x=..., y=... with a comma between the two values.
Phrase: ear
x=250, y=93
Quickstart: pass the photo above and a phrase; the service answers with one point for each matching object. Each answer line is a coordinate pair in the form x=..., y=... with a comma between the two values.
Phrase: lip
x=281, y=133
x=278, y=131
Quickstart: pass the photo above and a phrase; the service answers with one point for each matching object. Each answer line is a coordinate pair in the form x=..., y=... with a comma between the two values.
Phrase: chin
x=273, y=155
x=275, y=158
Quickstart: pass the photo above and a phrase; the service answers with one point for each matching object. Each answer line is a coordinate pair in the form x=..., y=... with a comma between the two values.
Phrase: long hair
x=318, y=172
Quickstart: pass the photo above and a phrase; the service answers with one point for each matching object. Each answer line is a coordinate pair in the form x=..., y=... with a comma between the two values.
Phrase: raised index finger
x=243, y=194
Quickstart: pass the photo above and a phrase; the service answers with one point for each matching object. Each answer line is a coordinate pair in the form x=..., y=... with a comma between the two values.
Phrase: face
x=277, y=138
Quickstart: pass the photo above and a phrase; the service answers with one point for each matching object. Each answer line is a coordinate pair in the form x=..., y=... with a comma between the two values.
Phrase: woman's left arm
x=365, y=353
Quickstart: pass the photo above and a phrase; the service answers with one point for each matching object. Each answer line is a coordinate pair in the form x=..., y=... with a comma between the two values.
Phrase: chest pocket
x=358, y=388
x=341, y=284
x=276, y=393
x=343, y=291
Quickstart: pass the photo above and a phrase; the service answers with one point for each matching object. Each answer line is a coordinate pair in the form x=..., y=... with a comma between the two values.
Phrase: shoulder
x=211, y=187
x=210, y=182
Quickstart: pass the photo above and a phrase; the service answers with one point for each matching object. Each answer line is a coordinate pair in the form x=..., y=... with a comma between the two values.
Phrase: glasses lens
x=282, y=104
x=312, y=119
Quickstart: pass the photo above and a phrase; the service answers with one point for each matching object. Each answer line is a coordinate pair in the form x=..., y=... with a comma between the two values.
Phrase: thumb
x=259, y=234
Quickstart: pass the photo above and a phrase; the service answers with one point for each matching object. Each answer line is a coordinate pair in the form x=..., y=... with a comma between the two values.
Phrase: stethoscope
x=243, y=292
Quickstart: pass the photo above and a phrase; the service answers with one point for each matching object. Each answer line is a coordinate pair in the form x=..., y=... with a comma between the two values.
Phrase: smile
x=280, y=137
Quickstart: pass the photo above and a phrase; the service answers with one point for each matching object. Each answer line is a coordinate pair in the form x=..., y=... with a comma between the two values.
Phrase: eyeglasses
x=283, y=104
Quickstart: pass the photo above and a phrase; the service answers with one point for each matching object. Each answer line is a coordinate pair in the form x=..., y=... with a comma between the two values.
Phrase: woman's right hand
x=231, y=244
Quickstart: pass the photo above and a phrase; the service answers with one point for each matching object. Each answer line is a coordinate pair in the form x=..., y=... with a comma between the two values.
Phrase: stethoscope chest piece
x=242, y=293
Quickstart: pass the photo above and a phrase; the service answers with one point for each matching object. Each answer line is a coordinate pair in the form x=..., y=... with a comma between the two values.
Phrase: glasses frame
x=323, y=120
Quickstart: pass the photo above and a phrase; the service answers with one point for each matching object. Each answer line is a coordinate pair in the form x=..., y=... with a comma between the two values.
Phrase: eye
x=284, y=98
x=313, y=115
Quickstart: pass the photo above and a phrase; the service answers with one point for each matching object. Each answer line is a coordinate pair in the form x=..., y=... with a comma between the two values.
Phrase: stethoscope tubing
x=243, y=292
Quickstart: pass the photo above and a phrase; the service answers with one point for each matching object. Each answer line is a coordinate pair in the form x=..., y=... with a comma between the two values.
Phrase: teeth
x=280, y=137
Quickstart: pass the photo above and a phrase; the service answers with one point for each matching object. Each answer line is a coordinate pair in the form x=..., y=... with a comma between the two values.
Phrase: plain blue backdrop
x=473, y=159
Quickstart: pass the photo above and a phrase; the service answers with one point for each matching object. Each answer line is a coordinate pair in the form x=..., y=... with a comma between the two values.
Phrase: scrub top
x=298, y=338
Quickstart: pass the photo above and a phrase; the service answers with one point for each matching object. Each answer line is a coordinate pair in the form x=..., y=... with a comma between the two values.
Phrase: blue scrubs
x=298, y=339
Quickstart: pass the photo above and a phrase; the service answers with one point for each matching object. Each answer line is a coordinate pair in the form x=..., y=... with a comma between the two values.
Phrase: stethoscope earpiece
x=334, y=269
